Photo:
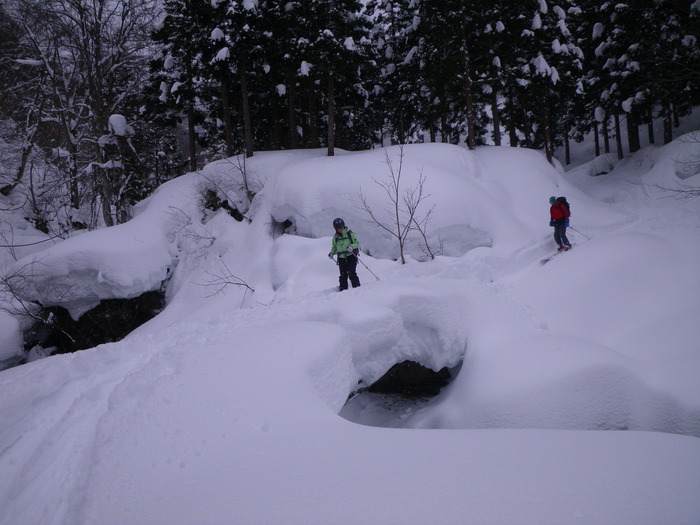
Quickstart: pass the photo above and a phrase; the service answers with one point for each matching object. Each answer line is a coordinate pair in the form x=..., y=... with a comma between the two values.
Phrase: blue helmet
x=552, y=199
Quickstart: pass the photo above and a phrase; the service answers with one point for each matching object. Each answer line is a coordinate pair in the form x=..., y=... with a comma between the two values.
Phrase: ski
x=558, y=252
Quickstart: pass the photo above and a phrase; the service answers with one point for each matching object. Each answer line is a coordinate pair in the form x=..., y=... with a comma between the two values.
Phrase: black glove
x=356, y=251
x=551, y=223
x=330, y=255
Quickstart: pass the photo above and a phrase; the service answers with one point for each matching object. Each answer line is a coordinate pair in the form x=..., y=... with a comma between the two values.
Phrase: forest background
x=104, y=100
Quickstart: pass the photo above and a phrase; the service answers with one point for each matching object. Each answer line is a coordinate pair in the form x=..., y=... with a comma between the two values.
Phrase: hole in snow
x=277, y=229
x=405, y=388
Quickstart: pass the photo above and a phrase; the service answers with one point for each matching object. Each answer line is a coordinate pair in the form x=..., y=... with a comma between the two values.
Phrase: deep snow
x=225, y=407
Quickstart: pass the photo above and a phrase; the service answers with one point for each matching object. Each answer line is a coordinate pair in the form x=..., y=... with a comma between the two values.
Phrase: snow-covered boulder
x=10, y=336
x=120, y=262
x=480, y=198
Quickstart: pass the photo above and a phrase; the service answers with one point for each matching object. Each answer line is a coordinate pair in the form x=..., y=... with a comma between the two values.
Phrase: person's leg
x=352, y=270
x=564, y=238
x=557, y=234
x=343, y=267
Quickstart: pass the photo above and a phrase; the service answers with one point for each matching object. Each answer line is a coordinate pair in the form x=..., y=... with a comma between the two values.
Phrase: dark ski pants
x=560, y=235
x=348, y=266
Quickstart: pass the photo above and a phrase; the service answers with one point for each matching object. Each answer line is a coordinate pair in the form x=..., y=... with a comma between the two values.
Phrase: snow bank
x=119, y=262
x=224, y=407
x=496, y=195
x=472, y=203
x=10, y=336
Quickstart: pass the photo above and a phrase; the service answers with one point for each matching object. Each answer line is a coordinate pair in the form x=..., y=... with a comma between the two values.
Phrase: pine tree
x=397, y=38
x=178, y=68
x=550, y=72
x=338, y=50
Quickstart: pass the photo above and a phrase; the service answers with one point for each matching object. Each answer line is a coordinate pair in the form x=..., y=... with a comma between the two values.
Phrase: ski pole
x=586, y=236
x=363, y=264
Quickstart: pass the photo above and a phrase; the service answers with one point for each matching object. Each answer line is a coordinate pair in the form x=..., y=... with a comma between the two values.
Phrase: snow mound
x=113, y=263
x=470, y=203
x=229, y=398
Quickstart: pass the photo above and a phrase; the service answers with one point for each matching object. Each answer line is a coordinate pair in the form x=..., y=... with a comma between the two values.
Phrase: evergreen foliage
x=237, y=76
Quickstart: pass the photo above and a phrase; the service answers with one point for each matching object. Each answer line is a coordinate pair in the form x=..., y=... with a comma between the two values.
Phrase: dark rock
x=411, y=379
x=213, y=202
x=110, y=321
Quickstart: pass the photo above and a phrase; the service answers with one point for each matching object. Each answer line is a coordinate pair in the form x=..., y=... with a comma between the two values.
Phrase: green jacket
x=341, y=241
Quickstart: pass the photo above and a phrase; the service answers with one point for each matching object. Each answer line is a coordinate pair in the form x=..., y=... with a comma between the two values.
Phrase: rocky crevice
x=110, y=321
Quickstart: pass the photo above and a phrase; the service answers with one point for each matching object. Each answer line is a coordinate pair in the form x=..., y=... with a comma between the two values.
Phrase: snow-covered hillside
x=576, y=398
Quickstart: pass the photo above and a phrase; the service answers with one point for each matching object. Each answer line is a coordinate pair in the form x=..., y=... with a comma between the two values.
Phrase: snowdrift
x=224, y=408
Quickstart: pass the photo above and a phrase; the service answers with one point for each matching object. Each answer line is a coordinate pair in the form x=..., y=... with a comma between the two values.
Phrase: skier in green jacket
x=347, y=247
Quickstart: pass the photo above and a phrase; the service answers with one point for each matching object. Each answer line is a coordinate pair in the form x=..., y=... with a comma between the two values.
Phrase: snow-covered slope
x=224, y=408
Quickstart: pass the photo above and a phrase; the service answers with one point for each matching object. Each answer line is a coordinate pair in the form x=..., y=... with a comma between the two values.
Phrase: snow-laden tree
x=20, y=105
x=547, y=67
x=84, y=61
x=177, y=67
x=285, y=88
x=642, y=62
x=397, y=38
x=450, y=54
x=238, y=40
x=339, y=52
x=660, y=71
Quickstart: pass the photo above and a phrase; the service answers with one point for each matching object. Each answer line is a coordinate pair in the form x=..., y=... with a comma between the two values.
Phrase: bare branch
x=221, y=281
x=403, y=206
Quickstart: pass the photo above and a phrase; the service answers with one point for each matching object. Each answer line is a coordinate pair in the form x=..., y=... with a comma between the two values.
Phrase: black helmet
x=338, y=223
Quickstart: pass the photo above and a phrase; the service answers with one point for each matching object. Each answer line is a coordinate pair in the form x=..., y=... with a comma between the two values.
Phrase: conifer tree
x=339, y=48
x=453, y=60
x=397, y=37
x=178, y=69
x=552, y=70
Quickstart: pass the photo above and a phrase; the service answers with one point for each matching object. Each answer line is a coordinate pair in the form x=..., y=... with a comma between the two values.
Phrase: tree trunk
x=275, y=128
x=547, y=133
x=496, y=119
x=596, y=138
x=528, y=132
x=313, y=115
x=226, y=108
x=191, y=135
x=606, y=135
x=512, y=131
x=28, y=144
x=632, y=133
x=245, y=107
x=471, y=128
x=567, y=149
x=650, y=126
x=676, y=117
x=26, y=150
x=292, y=116
x=618, y=137
x=668, y=123
x=105, y=197
x=331, y=115
x=73, y=181
x=401, y=131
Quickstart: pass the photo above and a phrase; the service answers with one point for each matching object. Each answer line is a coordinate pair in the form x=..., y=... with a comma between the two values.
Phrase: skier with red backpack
x=559, y=213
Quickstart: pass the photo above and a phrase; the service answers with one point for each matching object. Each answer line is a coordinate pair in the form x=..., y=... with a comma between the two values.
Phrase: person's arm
x=354, y=243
